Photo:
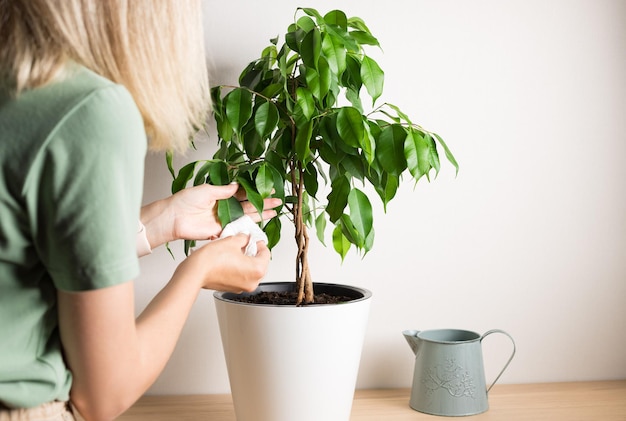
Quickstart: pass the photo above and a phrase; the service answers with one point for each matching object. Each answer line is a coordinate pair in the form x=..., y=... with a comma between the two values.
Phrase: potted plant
x=297, y=127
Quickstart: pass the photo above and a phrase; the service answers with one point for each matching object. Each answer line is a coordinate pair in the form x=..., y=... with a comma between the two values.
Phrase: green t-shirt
x=71, y=177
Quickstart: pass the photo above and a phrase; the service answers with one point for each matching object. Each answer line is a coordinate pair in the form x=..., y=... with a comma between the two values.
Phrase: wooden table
x=602, y=401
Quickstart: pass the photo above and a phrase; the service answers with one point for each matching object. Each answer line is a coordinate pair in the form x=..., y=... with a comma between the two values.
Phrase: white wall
x=531, y=235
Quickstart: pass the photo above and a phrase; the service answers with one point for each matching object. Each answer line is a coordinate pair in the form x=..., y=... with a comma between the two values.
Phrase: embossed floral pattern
x=451, y=377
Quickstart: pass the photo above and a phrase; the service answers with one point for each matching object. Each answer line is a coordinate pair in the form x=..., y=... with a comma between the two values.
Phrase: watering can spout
x=412, y=339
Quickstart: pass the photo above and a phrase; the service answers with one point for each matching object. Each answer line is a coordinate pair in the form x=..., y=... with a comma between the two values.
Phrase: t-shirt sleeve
x=89, y=193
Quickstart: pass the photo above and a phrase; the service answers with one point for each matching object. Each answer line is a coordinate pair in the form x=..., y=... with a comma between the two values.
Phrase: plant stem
x=304, y=282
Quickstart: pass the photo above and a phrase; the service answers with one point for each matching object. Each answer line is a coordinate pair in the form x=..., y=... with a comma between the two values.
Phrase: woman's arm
x=114, y=357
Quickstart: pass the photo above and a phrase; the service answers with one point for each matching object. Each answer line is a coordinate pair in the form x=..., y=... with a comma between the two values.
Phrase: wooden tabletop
x=578, y=401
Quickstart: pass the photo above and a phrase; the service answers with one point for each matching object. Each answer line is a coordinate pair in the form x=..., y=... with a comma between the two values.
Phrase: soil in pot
x=288, y=298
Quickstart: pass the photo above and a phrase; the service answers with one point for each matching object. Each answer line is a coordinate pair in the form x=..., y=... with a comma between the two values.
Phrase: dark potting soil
x=288, y=298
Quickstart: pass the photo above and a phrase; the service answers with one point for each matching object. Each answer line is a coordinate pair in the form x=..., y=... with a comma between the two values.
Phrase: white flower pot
x=288, y=363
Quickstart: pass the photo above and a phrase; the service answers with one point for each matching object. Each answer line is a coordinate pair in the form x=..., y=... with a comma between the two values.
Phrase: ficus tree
x=304, y=121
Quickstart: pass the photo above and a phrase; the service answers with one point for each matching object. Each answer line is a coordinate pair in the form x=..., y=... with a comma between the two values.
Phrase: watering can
x=449, y=376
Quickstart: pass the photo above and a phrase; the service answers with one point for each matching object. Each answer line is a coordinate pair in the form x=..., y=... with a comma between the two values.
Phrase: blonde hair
x=155, y=48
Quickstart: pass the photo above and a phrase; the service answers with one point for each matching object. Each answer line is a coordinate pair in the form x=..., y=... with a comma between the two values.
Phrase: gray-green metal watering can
x=449, y=375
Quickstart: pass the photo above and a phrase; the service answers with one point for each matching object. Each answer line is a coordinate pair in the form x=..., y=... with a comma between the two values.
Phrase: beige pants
x=51, y=411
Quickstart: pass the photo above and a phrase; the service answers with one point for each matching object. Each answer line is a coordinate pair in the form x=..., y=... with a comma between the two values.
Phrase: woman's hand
x=222, y=265
x=191, y=213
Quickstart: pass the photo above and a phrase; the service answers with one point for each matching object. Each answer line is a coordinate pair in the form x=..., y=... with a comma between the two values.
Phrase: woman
x=85, y=87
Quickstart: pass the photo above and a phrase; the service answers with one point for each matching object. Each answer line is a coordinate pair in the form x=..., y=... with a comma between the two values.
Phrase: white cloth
x=245, y=225
x=142, y=244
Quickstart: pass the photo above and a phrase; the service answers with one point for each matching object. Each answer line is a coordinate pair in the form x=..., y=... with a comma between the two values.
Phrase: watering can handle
x=510, y=358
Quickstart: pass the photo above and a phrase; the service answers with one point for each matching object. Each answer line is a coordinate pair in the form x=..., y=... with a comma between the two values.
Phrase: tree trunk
x=304, y=282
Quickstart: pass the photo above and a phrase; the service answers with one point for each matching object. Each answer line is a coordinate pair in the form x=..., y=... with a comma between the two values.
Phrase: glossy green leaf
x=340, y=242
x=184, y=175
x=360, y=212
x=264, y=180
x=358, y=24
x=318, y=81
x=238, y=108
x=448, y=152
x=272, y=229
x=337, y=18
x=303, y=140
x=306, y=23
x=320, y=227
x=311, y=47
x=390, y=149
x=401, y=115
x=350, y=126
x=169, y=158
x=334, y=52
x=305, y=100
x=218, y=174
x=433, y=155
x=312, y=12
x=341, y=34
x=373, y=77
x=266, y=119
x=201, y=175
x=310, y=179
x=352, y=75
x=350, y=232
x=337, y=198
x=387, y=188
x=252, y=195
x=417, y=153
x=364, y=38
x=228, y=210
x=368, y=145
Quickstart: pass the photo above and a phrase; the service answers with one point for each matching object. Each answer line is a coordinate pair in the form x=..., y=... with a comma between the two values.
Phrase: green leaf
x=228, y=210
x=337, y=198
x=352, y=75
x=387, y=188
x=364, y=38
x=264, y=180
x=312, y=12
x=310, y=179
x=433, y=155
x=340, y=242
x=350, y=126
x=218, y=174
x=238, y=108
x=184, y=175
x=293, y=39
x=252, y=194
x=350, y=232
x=417, y=151
x=448, y=153
x=358, y=24
x=272, y=230
x=320, y=227
x=169, y=158
x=311, y=47
x=390, y=149
x=306, y=23
x=303, y=139
x=266, y=119
x=202, y=173
x=360, y=212
x=318, y=81
x=402, y=115
x=305, y=100
x=335, y=53
x=373, y=77
x=337, y=18
x=368, y=145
